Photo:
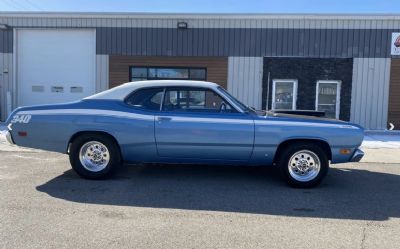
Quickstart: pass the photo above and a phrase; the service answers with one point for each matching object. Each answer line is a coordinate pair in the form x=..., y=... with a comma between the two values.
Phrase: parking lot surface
x=44, y=204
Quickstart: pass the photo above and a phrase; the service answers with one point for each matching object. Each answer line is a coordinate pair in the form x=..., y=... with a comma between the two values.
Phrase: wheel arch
x=104, y=133
x=284, y=144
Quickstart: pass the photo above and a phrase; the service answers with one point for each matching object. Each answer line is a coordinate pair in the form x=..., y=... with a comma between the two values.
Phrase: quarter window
x=177, y=73
x=149, y=99
x=195, y=100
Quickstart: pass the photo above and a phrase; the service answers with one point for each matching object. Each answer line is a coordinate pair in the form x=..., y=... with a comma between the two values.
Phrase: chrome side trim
x=357, y=156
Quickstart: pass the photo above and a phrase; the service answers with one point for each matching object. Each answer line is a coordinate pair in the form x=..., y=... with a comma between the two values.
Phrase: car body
x=207, y=126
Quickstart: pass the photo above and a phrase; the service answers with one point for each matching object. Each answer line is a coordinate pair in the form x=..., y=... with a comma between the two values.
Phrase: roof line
x=372, y=16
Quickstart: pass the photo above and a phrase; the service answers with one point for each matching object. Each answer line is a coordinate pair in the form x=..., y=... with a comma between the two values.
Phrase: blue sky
x=206, y=6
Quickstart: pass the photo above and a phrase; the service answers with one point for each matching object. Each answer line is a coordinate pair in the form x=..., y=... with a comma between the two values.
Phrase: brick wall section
x=308, y=71
x=394, y=94
x=217, y=67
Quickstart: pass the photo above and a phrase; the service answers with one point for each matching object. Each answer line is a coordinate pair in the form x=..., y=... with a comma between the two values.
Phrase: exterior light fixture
x=3, y=26
x=182, y=25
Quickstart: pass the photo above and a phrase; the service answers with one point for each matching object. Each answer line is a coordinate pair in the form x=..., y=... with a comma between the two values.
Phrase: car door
x=136, y=131
x=197, y=123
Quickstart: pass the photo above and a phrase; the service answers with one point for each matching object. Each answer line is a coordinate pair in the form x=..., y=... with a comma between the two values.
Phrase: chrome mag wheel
x=304, y=165
x=94, y=156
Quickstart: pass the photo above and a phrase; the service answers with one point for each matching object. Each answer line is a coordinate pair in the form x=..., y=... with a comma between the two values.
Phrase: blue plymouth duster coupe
x=188, y=122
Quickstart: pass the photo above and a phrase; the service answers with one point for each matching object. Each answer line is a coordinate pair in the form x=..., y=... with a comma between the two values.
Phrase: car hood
x=304, y=118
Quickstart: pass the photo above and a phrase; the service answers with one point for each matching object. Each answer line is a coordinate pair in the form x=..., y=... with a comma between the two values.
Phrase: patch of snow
x=3, y=139
x=3, y=130
x=377, y=141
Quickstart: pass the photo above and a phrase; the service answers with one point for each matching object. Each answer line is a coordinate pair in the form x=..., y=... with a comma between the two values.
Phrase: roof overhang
x=388, y=16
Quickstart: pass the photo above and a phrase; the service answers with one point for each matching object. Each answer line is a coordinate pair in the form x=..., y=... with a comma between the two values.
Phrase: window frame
x=145, y=88
x=168, y=67
x=164, y=90
x=295, y=85
x=236, y=111
x=338, y=91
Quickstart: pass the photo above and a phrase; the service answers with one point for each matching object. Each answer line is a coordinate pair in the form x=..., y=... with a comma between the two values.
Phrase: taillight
x=22, y=133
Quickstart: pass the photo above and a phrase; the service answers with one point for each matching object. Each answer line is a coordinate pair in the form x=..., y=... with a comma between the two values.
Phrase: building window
x=163, y=73
x=328, y=98
x=284, y=94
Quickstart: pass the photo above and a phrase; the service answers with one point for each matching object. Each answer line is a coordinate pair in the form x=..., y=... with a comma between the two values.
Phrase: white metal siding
x=102, y=69
x=370, y=92
x=245, y=79
x=6, y=83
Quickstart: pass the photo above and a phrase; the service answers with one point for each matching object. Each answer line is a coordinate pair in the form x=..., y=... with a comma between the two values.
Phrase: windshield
x=235, y=101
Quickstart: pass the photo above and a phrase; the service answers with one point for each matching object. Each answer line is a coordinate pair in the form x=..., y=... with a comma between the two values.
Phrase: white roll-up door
x=54, y=65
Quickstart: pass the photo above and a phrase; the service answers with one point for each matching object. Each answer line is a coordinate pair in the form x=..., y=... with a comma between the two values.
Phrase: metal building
x=345, y=65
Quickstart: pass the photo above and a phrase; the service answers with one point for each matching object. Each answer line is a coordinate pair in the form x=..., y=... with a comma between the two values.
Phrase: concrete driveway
x=44, y=204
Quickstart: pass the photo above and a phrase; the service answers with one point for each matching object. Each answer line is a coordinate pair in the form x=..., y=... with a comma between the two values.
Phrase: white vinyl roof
x=120, y=92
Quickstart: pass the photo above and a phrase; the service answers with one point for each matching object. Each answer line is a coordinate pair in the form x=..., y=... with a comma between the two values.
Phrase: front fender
x=270, y=133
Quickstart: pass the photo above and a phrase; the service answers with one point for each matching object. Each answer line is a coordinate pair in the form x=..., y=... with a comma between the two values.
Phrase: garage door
x=55, y=66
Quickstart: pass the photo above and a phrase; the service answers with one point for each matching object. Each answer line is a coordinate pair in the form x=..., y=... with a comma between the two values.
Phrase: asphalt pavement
x=44, y=204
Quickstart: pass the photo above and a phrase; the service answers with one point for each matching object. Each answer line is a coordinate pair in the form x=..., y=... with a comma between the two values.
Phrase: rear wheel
x=303, y=165
x=94, y=156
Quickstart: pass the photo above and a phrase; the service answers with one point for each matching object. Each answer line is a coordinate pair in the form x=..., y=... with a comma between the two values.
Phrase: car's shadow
x=344, y=194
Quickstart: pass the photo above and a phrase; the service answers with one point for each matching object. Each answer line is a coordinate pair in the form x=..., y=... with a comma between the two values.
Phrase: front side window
x=234, y=100
x=195, y=100
x=159, y=73
x=148, y=99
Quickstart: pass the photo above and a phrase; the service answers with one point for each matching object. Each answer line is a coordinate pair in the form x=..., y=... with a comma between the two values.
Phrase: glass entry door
x=284, y=93
x=328, y=98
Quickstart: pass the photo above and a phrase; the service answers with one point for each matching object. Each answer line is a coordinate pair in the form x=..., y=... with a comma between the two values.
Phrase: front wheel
x=303, y=165
x=94, y=156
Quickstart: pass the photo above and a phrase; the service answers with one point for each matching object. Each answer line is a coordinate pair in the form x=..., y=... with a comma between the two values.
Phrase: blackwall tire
x=303, y=165
x=94, y=156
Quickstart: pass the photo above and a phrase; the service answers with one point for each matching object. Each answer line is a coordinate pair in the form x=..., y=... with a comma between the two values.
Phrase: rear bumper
x=9, y=138
x=357, y=156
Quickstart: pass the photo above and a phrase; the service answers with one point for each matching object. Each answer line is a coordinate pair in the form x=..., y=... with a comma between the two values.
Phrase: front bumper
x=9, y=137
x=357, y=156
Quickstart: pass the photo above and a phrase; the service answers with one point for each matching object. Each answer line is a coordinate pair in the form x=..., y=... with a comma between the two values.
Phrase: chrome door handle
x=159, y=119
